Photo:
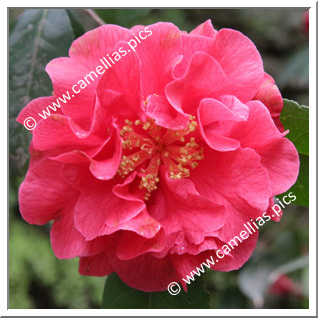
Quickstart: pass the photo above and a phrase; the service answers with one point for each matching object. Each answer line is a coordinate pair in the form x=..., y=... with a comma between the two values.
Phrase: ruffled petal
x=68, y=75
x=261, y=134
x=38, y=202
x=204, y=78
x=36, y=107
x=190, y=45
x=99, y=207
x=124, y=91
x=158, y=108
x=205, y=29
x=216, y=118
x=173, y=205
x=67, y=242
x=237, y=178
x=158, y=54
x=241, y=62
x=97, y=43
x=56, y=132
x=132, y=245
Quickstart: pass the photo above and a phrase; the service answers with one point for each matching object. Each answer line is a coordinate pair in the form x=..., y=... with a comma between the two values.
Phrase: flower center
x=147, y=146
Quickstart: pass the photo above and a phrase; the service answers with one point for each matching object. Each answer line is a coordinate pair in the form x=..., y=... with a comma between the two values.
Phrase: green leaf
x=84, y=20
x=39, y=36
x=295, y=118
x=117, y=295
x=76, y=23
x=123, y=17
x=13, y=16
x=301, y=188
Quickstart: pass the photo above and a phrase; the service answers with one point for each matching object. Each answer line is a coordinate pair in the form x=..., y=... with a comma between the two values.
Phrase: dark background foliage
x=276, y=276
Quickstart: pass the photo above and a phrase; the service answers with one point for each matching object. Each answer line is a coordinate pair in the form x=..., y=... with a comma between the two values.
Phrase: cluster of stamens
x=160, y=146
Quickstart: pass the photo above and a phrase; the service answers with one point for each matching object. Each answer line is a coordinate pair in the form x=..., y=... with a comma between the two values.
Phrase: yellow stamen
x=158, y=146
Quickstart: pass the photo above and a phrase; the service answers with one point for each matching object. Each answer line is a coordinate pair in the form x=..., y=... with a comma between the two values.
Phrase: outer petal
x=146, y=272
x=97, y=265
x=65, y=74
x=132, y=245
x=205, y=29
x=159, y=52
x=190, y=45
x=119, y=90
x=85, y=54
x=97, y=43
x=173, y=205
x=185, y=264
x=35, y=107
x=283, y=167
x=104, y=159
x=261, y=134
x=56, y=133
x=98, y=207
x=240, y=61
x=67, y=242
x=270, y=96
x=235, y=178
x=38, y=202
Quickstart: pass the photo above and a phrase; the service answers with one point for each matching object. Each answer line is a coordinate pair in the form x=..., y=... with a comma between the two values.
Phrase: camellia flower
x=306, y=22
x=284, y=285
x=157, y=164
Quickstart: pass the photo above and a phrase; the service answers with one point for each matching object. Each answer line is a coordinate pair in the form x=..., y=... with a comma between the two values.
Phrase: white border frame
x=312, y=163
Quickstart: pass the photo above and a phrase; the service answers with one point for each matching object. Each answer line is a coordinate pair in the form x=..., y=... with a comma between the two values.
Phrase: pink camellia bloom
x=161, y=161
x=306, y=22
x=284, y=285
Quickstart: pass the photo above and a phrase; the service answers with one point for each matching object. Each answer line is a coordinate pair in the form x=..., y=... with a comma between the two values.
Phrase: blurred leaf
x=108, y=15
x=39, y=36
x=267, y=29
x=122, y=17
x=117, y=295
x=295, y=264
x=223, y=286
x=129, y=16
x=76, y=23
x=13, y=16
x=39, y=280
x=305, y=281
x=296, y=70
x=87, y=19
x=295, y=118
